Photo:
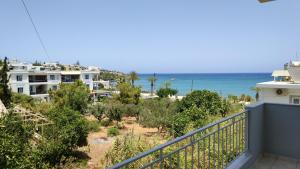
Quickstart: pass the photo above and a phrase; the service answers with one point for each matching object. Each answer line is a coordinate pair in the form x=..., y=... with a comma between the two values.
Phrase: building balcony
x=265, y=136
x=69, y=78
x=37, y=79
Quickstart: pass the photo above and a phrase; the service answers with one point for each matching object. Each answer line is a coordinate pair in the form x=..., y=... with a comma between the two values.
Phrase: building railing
x=37, y=80
x=213, y=146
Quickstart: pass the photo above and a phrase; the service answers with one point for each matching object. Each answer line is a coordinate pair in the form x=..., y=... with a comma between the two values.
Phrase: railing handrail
x=176, y=140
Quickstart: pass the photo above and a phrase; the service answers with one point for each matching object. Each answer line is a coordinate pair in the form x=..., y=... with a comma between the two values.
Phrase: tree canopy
x=74, y=96
x=208, y=100
x=128, y=94
x=133, y=76
x=5, y=92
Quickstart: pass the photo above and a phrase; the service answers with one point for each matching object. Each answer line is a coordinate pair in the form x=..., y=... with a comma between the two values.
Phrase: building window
x=54, y=87
x=20, y=89
x=19, y=77
x=295, y=100
x=52, y=77
x=87, y=77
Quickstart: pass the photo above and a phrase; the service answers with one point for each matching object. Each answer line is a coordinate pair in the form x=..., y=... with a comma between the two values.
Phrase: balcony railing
x=213, y=146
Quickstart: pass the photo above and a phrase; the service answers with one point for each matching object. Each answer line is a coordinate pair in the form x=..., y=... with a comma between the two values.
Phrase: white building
x=36, y=81
x=285, y=88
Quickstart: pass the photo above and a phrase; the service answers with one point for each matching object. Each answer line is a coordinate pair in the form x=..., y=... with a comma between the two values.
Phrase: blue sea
x=223, y=83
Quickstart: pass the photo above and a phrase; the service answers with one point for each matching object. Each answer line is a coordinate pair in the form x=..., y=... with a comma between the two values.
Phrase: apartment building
x=37, y=80
x=285, y=88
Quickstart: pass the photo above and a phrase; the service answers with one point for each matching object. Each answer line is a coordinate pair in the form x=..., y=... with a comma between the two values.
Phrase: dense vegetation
x=5, y=93
x=23, y=146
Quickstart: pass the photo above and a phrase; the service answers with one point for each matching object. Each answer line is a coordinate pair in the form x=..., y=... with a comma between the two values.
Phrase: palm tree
x=167, y=84
x=152, y=80
x=133, y=77
x=257, y=90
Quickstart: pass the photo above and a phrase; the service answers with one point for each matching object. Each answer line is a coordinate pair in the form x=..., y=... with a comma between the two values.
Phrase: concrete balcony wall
x=272, y=128
x=282, y=130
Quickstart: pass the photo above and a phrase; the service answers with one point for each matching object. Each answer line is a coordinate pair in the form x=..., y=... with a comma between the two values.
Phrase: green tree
x=157, y=113
x=256, y=90
x=114, y=111
x=233, y=98
x=191, y=118
x=208, y=100
x=71, y=127
x=128, y=94
x=167, y=84
x=74, y=96
x=152, y=81
x=225, y=108
x=133, y=76
x=248, y=98
x=14, y=143
x=242, y=97
x=97, y=109
x=5, y=92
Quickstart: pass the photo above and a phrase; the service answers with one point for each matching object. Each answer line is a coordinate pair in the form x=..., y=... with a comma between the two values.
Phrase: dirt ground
x=99, y=143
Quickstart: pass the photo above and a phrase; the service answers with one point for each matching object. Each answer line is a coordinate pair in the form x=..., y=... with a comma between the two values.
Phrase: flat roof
x=70, y=72
x=283, y=85
x=277, y=73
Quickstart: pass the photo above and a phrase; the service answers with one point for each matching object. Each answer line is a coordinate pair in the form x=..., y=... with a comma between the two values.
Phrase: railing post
x=192, y=140
x=246, y=129
x=218, y=161
x=161, y=158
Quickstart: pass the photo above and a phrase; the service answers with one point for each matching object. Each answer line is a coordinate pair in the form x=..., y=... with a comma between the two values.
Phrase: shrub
x=130, y=145
x=23, y=100
x=105, y=122
x=94, y=126
x=120, y=125
x=166, y=92
x=113, y=131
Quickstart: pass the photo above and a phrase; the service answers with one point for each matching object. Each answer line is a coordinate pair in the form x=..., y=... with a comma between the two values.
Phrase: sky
x=162, y=36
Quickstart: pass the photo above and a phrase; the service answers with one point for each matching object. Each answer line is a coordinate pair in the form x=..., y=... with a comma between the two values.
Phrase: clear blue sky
x=155, y=35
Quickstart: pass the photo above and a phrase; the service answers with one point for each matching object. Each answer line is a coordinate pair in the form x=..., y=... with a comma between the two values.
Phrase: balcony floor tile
x=269, y=161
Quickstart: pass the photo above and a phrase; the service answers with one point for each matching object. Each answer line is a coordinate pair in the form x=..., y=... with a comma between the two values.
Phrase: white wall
x=57, y=78
x=14, y=87
x=268, y=95
x=14, y=84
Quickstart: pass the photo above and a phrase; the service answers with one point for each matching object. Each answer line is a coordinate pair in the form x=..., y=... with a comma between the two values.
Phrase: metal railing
x=212, y=146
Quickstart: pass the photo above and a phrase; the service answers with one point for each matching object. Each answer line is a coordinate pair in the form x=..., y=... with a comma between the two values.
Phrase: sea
x=222, y=83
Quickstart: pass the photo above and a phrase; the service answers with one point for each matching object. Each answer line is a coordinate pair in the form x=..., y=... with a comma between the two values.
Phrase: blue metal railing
x=212, y=146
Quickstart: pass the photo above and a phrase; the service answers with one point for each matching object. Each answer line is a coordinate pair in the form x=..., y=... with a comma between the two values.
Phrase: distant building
x=36, y=81
x=285, y=88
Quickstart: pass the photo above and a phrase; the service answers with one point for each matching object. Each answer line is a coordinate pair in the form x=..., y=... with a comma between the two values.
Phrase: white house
x=36, y=81
x=285, y=88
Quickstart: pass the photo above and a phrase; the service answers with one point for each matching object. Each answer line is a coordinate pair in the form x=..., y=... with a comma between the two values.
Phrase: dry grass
x=99, y=143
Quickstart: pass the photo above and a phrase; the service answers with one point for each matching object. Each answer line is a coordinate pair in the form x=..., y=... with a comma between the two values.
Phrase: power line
x=35, y=28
